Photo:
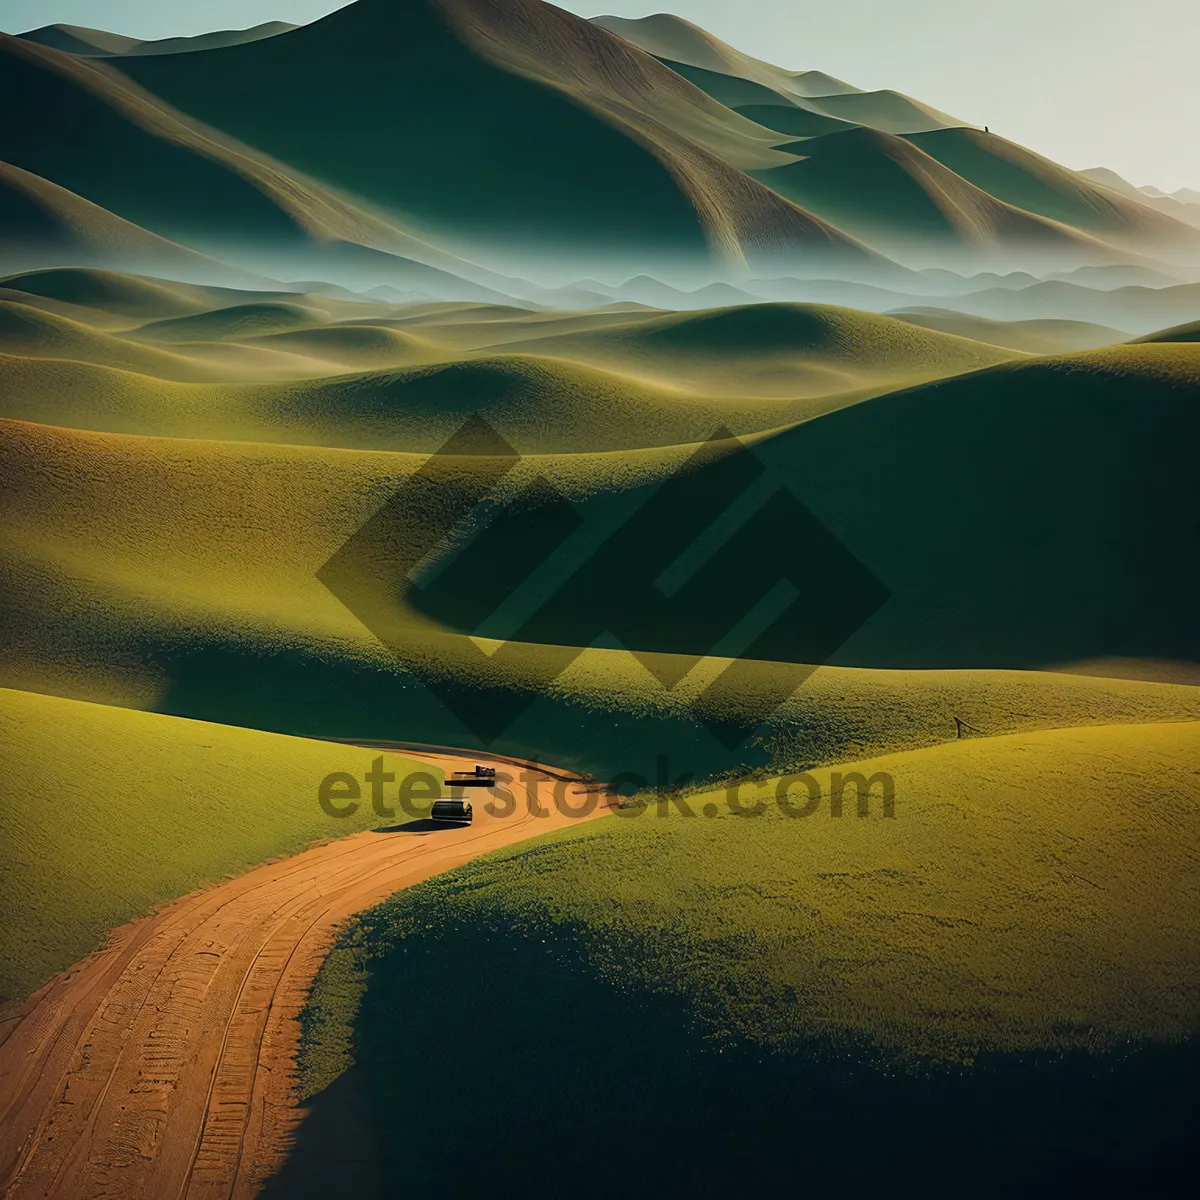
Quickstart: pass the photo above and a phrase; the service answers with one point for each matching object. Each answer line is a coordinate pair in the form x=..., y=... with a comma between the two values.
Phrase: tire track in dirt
x=162, y=1066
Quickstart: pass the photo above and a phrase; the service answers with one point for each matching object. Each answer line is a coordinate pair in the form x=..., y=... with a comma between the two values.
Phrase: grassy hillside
x=94, y=132
x=911, y=932
x=1189, y=332
x=979, y=501
x=1044, y=336
x=592, y=144
x=379, y=376
x=182, y=576
x=972, y=500
x=1138, y=309
x=97, y=43
x=30, y=332
x=701, y=525
x=204, y=802
x=1027, y=935
x=670, y=37
x=44, y=225
x=238, y=321
x=539, y=405
x=885, y=190
x=792, y=122
x=95, y=296
x=79, y=39
x=786, y=348
x=1027, y=180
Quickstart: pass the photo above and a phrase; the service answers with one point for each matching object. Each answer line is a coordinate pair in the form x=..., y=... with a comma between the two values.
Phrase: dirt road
x=161, y=1066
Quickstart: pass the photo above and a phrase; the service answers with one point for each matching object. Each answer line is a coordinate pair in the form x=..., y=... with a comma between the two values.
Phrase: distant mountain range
x=446, y=146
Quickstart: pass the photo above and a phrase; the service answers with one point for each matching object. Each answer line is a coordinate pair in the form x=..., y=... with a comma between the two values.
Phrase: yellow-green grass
x=773, y=349
x=776, y=346
x=107, y=299
x=595, y=382
x=182, y=576
x=234, y=323
x=1039, y=336
x=539, y=405
x=126, y=301
x=31, y=331
x=1036, y=891
x=1188, y=332
x=349, y=346
x=109, y=813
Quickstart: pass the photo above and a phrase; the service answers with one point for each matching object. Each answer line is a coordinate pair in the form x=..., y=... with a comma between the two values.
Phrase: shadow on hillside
x=336, y=1152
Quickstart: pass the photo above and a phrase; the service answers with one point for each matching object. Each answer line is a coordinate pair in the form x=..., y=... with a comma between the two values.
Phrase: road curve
x=162, y=1066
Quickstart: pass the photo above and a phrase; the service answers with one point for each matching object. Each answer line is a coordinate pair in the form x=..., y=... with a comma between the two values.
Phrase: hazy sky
x=1086, y=82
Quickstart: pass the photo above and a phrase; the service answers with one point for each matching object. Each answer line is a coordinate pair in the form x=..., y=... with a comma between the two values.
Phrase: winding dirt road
x=162, y=1066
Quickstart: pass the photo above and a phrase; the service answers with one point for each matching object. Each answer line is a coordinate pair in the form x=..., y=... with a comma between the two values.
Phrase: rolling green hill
x=793, y=122
x=889, y=931
x=470, y=373
x=208, y=801
x=403, y=378
x=971, y=500
x=1002, y=547
x=771, y=348
x=885, y=190
x=1003, y=968
x=44, y=225
x=97, y=43
x=181, y=575
x=92, y=131
x=539, y=405
x=1189, y=332
x=1044, y=336
x=1027, y=180
x=592, y=143
x=536, y=128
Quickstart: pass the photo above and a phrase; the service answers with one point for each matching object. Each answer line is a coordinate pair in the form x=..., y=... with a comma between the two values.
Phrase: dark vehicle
x=452, y=812
x=458, y=811
x=480, y=777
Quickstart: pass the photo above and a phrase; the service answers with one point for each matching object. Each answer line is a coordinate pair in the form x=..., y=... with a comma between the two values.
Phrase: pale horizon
x=1074, y=80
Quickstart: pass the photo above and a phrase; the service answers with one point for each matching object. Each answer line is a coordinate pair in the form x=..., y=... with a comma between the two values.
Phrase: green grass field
x=994, y=970
x=109, y=813
x=256, y=280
